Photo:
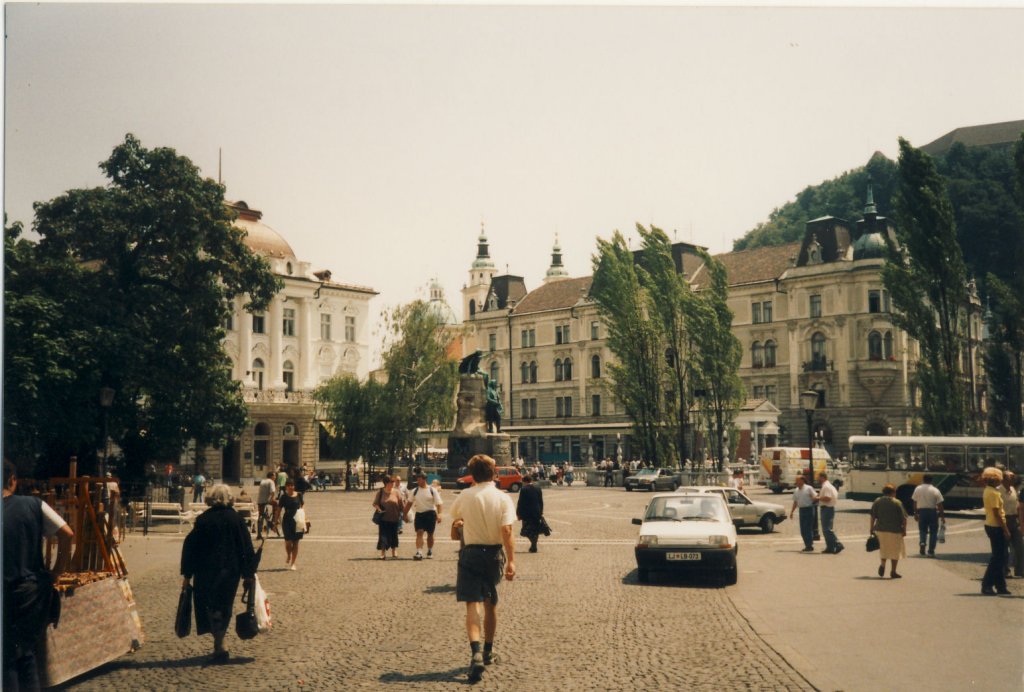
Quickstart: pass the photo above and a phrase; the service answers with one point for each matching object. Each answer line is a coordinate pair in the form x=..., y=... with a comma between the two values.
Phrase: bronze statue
x=470, y=365
x=493, y=409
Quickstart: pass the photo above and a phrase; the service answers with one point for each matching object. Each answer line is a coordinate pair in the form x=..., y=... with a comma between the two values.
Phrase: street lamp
x=809, y=402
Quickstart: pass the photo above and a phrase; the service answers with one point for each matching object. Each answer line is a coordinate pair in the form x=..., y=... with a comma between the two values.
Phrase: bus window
x=980, y=457
x=945, y=458
x=907, y=457
x=1017, y=459
x=869, y=457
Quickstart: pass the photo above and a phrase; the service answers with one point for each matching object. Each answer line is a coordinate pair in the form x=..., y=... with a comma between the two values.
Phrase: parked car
x=506, y=477
x=689, y=533
x=653, y=479
x=744, y=511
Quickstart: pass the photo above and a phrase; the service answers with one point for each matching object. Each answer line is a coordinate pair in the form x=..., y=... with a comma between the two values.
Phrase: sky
x=377, y=139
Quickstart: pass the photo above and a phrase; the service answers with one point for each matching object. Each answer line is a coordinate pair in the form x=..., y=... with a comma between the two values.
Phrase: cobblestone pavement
x=575, y=618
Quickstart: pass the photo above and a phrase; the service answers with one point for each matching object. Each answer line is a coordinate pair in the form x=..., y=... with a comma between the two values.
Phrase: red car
x=507, y=477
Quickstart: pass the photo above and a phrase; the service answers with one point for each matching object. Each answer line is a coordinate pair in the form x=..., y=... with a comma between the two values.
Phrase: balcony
x=251, y=395
x=818, y=364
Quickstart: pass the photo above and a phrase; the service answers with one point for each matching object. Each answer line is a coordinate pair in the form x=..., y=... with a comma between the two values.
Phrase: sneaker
x=476, y=667
x=417, y=556
x=430, y=553
x=920, y=549
x=491, y=657
x=839, y=548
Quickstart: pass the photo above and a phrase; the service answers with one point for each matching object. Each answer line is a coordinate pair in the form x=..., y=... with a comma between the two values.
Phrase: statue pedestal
x=470, y=436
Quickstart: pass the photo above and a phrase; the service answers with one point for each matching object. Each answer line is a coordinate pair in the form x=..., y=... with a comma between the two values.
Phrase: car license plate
x=673, y=557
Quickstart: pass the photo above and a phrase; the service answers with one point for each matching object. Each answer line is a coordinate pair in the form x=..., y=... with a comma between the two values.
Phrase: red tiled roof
x=555, y=295
x=758, y=264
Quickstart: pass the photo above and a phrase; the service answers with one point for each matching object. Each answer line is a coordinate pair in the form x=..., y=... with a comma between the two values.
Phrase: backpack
x=432, y=492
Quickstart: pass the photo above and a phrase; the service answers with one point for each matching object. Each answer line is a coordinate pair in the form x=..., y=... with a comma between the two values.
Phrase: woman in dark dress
x=389, y=501
x=290, y=502
x=217, y=553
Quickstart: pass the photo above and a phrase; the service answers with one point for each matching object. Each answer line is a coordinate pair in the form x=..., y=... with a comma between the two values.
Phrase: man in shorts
x=266, y=499
x=427, y=504
x=486, y=515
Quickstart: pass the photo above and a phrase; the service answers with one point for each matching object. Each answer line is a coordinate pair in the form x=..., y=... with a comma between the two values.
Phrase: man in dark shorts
x=486, y=515
x=426, y=501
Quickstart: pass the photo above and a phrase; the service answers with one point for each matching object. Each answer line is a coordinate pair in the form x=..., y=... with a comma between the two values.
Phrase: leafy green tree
x=356, y=412
x=147, y=266
x=927, y=278
x=637, y=376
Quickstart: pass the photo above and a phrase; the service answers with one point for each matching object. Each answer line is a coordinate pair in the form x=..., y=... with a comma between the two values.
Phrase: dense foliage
x=127, y=288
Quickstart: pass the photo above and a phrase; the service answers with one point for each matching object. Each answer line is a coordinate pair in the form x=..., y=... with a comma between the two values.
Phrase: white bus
x=955, y=464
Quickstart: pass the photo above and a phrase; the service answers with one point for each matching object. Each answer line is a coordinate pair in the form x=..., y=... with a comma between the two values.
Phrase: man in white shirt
x=427, y=504
x=804, y=498
x=828, y=496
x=486, y=515
x=927, y=511
x=265, y=496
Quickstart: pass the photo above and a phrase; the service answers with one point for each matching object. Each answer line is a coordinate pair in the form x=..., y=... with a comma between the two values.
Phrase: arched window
x=524, y=371
x=819, y=356
x=567, y=369
x=261, y=430
x=494, y=371
x=595, y=366
x=887, y=347
x=769, y=354
x=533, y=372
x=875, y=346
x=558, y=369
x=257, y=373
x=472, y=307
x=288, y=374
x=757, y=355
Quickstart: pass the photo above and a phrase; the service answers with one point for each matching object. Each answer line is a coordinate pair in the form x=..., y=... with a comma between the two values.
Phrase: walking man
x=530, y=510
x=994, y=581
x=266, y=497
x=928, y=511
x=427, y=503
x=804, y=498
x=828, y=496
x=28, y=587
x=486, y=515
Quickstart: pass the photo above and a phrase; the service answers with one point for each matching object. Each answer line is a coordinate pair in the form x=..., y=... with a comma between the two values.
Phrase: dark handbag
x=183, y=620
x=872, y=544
x=377, y=516
x=246, y=626
x=544, y=528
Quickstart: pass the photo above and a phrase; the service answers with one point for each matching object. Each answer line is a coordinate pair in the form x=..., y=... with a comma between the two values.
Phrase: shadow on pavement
x=454, y=675
x=668, y=578
x=440, y=588
x=192, y=661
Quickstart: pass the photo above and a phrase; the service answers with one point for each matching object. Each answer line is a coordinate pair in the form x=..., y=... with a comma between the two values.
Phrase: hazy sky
x=376, y=139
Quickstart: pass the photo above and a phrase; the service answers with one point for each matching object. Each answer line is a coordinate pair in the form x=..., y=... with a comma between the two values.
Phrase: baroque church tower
x=481, y=272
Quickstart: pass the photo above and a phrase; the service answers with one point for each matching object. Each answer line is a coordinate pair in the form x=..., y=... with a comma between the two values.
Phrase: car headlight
x=646, y=541
x=719, y=541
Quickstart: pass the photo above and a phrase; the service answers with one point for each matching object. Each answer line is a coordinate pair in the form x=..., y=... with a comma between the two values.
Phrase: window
x=885, y=301
x=770, y=392
x=819, y=356
x=561, y=334
x=874, y=346
x=567, y=369
x=524, y=408
x=524, y=339
x=533, y=372
x=257, y=323
x=595, y=405
x=816, y=305
x=757, y=355
x=874, y=301
x=558, y=369
x=769, y=354
x=257, y=373
x=594, y=330
x=766, y=311
x=288, y=323
x=229, y=322
x=494, y=371
x=887, y=347
x=595, y=366
x=492, y=342
x=325, y=327
x=350, y=328
x=533, y=408
x=758, y=391
x=755, y=313
x=288, y=374
x=524, y=371
x=533, y=337
x=472, y=307
x=563, y=406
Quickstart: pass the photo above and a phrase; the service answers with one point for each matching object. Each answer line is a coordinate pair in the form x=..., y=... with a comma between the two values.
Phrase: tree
x=927, y=280
x=146, y=266
x=638, y=375
x=379, y=420
x=715, y=353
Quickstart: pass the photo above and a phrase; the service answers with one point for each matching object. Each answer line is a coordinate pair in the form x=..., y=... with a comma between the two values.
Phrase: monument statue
x=478, y=418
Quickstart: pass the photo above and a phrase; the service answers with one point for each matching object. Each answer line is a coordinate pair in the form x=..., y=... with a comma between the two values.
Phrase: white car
x=686, y=533
x=744, y=511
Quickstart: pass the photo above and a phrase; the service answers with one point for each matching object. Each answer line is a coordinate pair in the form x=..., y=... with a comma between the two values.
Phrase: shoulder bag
x=872, y=544
x=377, y=514
x=246, y=626
x=183, y=620
x=300, y=520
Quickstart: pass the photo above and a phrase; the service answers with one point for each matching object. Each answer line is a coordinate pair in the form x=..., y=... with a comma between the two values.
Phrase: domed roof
x=260, y=237
x=869, y=246
x=438, y=305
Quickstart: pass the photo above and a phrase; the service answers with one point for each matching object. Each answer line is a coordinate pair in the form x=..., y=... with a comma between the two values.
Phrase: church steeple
x=869, y=206
x=480, y=274
x=556, y=271
x=483, y=255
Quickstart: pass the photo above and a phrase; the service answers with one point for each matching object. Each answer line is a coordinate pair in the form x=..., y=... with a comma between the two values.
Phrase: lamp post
x=809, y=402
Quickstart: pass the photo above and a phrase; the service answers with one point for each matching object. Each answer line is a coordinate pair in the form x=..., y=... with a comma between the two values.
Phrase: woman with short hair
x=889, y=524
x=291, y=500
x=388, y=501
x=217, y=553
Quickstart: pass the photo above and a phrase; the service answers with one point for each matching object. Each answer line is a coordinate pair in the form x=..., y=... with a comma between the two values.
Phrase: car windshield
x=647, y=472
x=687, y=508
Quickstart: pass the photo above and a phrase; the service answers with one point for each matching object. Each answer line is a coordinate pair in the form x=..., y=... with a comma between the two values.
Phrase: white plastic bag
x=300, y=520
x=942, y=532
x=263, y=622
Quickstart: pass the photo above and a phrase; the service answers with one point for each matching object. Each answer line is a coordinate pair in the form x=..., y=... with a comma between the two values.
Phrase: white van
x=783, y=464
